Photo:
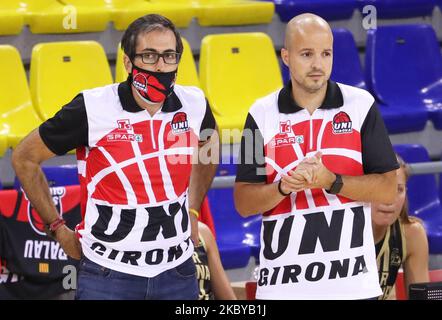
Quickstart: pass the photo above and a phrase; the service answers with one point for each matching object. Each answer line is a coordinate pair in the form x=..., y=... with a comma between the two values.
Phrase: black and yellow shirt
x=390, y=254
x=202, y=271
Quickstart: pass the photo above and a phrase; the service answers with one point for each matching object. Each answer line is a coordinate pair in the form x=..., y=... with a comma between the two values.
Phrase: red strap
x=56, y=224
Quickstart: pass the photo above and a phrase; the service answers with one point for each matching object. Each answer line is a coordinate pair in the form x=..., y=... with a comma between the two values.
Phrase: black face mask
x=153, y=87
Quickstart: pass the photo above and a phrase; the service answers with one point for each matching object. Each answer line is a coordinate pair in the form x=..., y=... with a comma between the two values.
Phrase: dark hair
x=147, y=23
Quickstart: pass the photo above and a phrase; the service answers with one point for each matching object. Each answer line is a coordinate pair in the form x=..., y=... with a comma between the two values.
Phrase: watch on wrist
x=50, y=228
x=336, y=185
x=280, y=190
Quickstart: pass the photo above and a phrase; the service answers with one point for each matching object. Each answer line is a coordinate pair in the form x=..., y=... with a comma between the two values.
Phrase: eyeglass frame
x=160, y=55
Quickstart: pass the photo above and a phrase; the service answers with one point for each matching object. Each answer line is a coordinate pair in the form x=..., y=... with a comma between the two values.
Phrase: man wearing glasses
x=142, y=177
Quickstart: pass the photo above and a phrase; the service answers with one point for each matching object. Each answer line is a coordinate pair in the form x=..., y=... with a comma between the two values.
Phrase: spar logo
x=179, y=123
x=342, y=123
x=35, y=221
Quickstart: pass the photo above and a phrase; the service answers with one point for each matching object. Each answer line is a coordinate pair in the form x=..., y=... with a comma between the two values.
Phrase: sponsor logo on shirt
x=124, y=124
x=286, y=141
x=285, y=127
x=286, y=136
x=342, y=123
x=115, y=137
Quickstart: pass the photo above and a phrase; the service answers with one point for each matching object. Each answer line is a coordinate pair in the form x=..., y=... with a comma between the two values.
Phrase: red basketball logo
x=149, y=87
x=179, y=123
x=342, y=123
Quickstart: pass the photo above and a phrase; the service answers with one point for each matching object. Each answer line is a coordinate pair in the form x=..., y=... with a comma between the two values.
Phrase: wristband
x=50, y=228
x=195, y=212
x=282, y=192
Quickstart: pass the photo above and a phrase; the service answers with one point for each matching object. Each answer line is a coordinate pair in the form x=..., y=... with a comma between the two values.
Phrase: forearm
x=36, y=187
x=205, y=163
x=254, y=198
x=26, y=160
x=200, y=180
x=380, y=188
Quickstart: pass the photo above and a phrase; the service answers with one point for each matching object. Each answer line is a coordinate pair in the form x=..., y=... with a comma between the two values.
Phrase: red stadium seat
x=250, y=290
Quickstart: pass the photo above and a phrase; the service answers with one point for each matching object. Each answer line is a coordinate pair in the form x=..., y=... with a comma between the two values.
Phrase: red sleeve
x=206, y=216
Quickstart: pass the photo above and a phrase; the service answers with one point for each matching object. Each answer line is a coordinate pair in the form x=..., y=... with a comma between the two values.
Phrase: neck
x=309, y=100
x=152, y=108
x=379, y=232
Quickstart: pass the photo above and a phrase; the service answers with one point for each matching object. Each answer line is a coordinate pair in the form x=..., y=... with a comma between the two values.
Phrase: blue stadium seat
x=440, y=175
x=327, y=9
x=424, y=202
x=253, y=235
x=392, y=9
x=231, y=229
x=347, y=67
x=57, y=176
x=402, y=60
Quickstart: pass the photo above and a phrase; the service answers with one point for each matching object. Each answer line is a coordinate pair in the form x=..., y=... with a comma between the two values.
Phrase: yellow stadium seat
x=66, y=16
x=11, y=17
x=181, y=14
x=234, y=12
x=187, y=74
x=235, y=70
x=60, y=70
x=17, y=116
x=3, y=145
x=120, y=70
x=229, y=12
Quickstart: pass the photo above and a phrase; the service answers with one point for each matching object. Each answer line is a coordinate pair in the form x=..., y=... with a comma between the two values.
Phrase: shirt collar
x=171, y=104
x=333, y=98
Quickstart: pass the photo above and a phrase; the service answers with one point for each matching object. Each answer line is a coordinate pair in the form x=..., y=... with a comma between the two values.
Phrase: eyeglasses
x=153, y=57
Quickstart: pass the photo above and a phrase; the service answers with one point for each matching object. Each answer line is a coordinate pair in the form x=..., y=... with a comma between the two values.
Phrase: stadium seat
x=393, y=9
x=233, y=75
x=327, y=9
x=17, y=116
x=347, y=67
x=250, y=287
x=3, y=143
x=69, y=16
x=402, y=61
x=435, y=276
x=422, y=194
x=57, y=176
x=231, y=229
x=187, y=74
x=233, y=12
x=124, y=12
x=60, y=70
x=11, y=17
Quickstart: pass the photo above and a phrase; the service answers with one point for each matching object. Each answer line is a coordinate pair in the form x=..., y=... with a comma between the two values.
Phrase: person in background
x=212, y=279
x=401, y=241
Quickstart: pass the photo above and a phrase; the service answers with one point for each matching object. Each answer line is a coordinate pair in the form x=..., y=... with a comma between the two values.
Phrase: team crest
x=342, y=123
x=179, y=123
x=395, y=258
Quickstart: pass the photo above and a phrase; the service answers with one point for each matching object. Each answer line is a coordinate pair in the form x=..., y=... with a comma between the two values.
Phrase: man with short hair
x=135, y=144
x=319, y=153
